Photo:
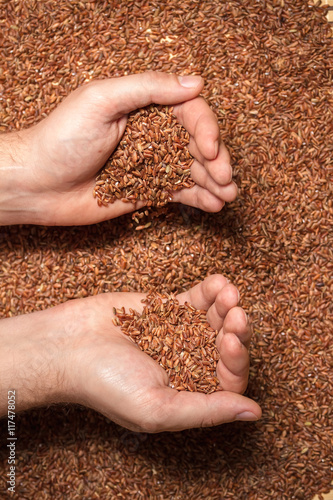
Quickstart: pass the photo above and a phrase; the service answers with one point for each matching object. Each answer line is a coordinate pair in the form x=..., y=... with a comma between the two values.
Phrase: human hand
x=53, y=165
x=83, y=357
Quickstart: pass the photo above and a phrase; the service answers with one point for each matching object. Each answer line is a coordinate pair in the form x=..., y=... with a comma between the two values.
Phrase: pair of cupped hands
x=73, y=352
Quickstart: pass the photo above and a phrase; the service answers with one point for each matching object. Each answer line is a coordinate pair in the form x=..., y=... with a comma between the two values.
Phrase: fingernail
x=246, y=415
x=190, y=81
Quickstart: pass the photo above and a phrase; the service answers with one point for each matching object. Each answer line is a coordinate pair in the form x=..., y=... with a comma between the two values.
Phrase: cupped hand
x=106, y=371
x=65, y=151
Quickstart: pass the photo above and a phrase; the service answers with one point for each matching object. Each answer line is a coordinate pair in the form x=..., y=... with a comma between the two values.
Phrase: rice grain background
x=267, y=68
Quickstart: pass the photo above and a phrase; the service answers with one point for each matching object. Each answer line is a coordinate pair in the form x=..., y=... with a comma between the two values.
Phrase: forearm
x=31, y=361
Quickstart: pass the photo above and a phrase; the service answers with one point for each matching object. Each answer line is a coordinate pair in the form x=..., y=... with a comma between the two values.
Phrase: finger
x=233, y=367
x=115, y=209
x=201, y=123
x=193, y=149
x=219, y=168
x=199, y=197
x=184, y=410
x=85, y=209
x=226, y=299
x=203, y=295
x=119, y=96
x=236, y=321
x=201, y=177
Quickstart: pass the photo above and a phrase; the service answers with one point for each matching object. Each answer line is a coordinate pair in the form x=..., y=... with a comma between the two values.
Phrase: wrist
x=19, y=204
x=32, y=360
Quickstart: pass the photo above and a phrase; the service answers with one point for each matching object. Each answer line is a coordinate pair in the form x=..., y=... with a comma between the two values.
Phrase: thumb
x=185, y=410
x=120, y=96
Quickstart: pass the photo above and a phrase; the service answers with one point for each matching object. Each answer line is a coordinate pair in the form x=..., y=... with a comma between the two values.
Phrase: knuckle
x=155, y=423
x=155, y=417
x=92, y=91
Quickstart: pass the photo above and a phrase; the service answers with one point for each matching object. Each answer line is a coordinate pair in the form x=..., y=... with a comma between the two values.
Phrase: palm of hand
x=76, y=141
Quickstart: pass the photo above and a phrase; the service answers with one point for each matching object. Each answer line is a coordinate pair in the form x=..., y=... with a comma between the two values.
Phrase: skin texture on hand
x=48, y=171
x=74, y=353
